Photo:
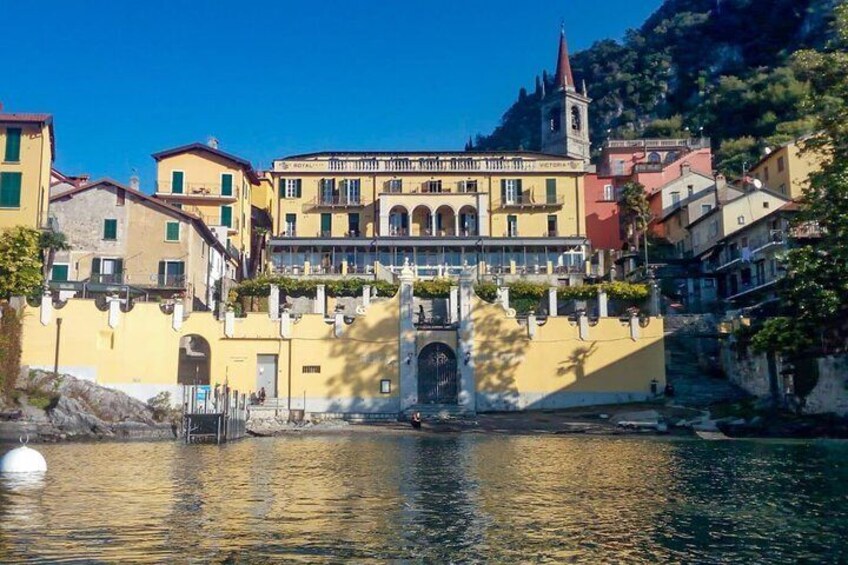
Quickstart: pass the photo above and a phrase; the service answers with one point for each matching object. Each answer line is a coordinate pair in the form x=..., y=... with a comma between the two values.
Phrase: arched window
x=554, y=119
x=194, y=361
x=576, y=118
x=654, y=158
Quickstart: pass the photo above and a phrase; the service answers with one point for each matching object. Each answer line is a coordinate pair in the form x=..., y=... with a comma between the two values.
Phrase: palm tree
x=50, y=242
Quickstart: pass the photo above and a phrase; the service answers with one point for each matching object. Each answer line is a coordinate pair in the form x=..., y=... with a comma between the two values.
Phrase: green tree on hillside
x=635, y=211
x=814, y=293
x=20, y=262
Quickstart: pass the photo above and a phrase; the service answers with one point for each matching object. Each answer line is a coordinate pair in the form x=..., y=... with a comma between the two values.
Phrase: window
x=705, y=208
x=654, y=158
x=172, y=231
x=385, y=386
x=395, y=185
x=290, y=188
x=110, y=229
x=171, y=273
x=59, y=273
x=226, y=184
x=326, y=225
x=311, y=369
x=107, y=271
x=780, y=164
x=765, y=204
x=511, y=191
x=13, y=144
x=675, y=198
x=10, y=190
x=782, y=189
x=554, y=119
x=576, y=119
x=328, y=191
x=353, y=224
x=468, y=186
x=740, y=220
x=552, y=226
x=690, y=189
x=714, y=228
x=352, y=191
x=177, y=182
x=120, y=197
x=609, y=192
x=618, y=167
x=227, y=216
x=512, y=226
x=433, y=186
x=550, y=191
x=291, y=225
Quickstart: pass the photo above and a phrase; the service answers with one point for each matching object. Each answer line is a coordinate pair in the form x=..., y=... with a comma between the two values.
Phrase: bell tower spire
x=565, y=112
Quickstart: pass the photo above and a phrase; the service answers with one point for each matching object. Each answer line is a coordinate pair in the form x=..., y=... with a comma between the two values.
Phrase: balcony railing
x=141, y=281
x=648, y=168
x=215, y=221
x=335, y=201
x=431, y=164
x=529, y=199
x=693, y=143
x=197, y=190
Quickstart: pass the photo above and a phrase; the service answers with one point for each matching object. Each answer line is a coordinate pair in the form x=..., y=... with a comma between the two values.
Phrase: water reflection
x=432, y=498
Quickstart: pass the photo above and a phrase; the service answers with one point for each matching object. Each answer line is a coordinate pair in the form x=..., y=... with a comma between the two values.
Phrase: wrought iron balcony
x=335, y=201
x=528, y=199
x=196, y=190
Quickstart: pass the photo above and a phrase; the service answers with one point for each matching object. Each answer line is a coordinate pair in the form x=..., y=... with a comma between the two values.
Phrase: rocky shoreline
x=51, y=409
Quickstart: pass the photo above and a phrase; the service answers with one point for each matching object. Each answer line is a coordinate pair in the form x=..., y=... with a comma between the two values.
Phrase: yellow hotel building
x=214, y=185
x=26, y=158
x=516, y=213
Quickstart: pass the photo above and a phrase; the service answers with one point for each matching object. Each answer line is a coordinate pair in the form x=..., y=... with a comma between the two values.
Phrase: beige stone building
x=786, y=170
x=125, y=241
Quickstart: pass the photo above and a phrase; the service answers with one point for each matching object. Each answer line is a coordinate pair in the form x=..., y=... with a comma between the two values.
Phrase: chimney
x=135, y=182
x=212, y=142
x=720, y=188
x=685, y=168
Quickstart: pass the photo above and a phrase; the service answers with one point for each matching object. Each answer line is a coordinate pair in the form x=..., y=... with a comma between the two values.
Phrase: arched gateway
x=437, y=376
x=194, y=360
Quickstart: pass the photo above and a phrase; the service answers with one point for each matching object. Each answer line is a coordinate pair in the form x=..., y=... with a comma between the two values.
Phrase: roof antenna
x=135, y=182
x=212, y=142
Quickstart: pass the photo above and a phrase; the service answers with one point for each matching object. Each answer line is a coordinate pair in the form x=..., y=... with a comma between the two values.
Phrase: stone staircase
x=695, y=384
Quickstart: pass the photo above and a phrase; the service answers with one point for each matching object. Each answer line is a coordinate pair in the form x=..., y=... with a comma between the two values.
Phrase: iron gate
x=437, y=379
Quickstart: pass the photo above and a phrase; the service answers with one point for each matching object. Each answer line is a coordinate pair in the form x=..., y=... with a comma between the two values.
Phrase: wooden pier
x=213, y=414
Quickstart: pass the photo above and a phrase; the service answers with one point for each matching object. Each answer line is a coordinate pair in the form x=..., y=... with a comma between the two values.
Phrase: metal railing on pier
x=213, y=414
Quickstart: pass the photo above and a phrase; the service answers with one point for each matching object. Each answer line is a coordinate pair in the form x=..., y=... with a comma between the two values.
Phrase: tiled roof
x=217, y=152
x=26, y=118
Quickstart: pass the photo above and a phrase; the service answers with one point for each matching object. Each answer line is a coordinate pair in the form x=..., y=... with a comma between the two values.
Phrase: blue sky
x=126, y=79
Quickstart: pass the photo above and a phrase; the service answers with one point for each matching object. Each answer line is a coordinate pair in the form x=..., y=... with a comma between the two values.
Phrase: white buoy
x=23, y=460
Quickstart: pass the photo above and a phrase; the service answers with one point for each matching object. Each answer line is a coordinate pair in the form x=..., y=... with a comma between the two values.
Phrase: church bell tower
x=565, y=112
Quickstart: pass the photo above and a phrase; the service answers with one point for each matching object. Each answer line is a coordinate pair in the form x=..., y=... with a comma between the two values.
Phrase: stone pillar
x=453, y=304
x=531, y=325
x=603, y=304
x=274, y=302
x=456, y=223
x=46, y=313
x=286, y=325
x=433, y=224
x=338, y=324
x=114, y=311
x=407, y=361
x=177, y=316
x=503, y=295
x=634, y=327
x=465, y=351
x=553, y=303
x=655, y=297
x=230, y=323
x=320, y=304
x=366, y=296
x=583, y=326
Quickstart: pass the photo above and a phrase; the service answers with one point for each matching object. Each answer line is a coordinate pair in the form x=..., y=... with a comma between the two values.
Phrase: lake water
x=432, y=498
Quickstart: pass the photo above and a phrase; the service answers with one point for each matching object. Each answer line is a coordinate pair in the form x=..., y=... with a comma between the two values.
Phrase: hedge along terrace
x=252, y=295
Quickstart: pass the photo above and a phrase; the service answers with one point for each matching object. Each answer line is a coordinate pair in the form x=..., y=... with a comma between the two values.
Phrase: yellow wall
x=140, y=355
x=202, y=170
x=34, y=165
x=531, y=371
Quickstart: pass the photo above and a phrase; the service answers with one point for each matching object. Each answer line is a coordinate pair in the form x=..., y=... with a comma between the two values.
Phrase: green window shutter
x=503, y=191
x=177, y=178
x=60, y=273
x=162, y=273
x=550, y=190
x=110, y=229
x=172, y=231
x=227, y=184
x=227, y=216
x=13, y=144
x=297, y=189
x=281, y=186
x=326, y=224
x=95, y=266
x=10, y=190
x=518, y=191
x=119, y=267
